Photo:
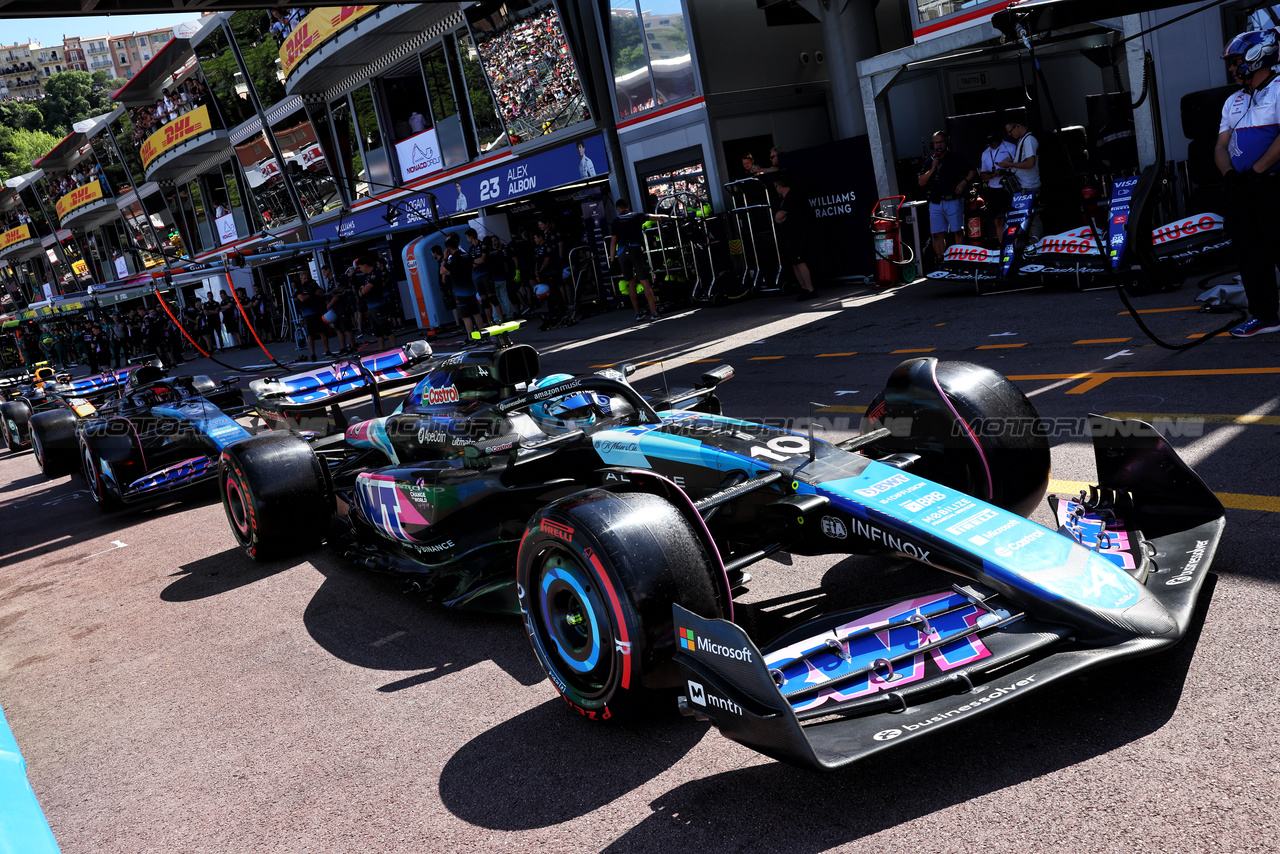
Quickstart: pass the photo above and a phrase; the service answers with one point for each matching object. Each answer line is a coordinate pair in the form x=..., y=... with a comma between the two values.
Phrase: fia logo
x=834, y=528
x=696, y=693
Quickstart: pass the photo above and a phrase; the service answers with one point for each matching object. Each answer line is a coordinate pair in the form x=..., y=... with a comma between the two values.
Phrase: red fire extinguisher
x=886, y=230
x=976, y=213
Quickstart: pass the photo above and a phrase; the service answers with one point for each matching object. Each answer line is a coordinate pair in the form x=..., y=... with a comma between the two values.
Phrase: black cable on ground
x=1093, y=228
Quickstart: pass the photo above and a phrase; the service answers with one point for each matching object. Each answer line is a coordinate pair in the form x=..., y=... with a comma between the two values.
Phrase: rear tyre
x=973, y=429
x=15, y=417
x=597, y=575
x=276, y=495
x=53, y=439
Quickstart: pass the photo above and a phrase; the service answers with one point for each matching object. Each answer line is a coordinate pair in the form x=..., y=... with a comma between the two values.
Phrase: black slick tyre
x=597, y=574
x=53, y=439
x=15, y=416
x=276, y=495
x=974, y=431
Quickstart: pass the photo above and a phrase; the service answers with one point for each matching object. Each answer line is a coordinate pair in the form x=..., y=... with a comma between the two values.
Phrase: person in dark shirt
x=626, y=243
x=446, y=284
x=459, y=266
x=479, y=253
x=213, y=323
x=311, y=307
x=948, y=179
x=376, y=297
x=552, y=238
x=792, y=215
x=548, y=269
x=498, y=267
x=231, y=319
x=521, y=252
x=338, y=299
x=94, y=344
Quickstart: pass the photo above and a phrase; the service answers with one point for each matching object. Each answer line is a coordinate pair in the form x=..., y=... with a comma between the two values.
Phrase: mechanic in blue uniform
x=548, y=269
x=374, y=293
x=626, y=244
x=948, y=179
x=1248, y=154
x=460, y=267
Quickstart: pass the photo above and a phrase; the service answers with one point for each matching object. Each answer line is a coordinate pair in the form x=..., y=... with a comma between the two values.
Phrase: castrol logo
x=1198, y=224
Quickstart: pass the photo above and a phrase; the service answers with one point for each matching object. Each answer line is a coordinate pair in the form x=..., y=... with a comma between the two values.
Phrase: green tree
x=20, y=114
x=18, y=148
x=68, y=100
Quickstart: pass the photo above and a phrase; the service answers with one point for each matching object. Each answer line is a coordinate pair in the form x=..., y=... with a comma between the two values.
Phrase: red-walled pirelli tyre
x=597, y=574
x=276, y=494
x=53, y=440
x=14, y=416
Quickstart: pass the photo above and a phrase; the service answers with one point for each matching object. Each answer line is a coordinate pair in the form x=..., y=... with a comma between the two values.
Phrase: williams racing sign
x=181, y=129
x=315, y=29
x=78, y=198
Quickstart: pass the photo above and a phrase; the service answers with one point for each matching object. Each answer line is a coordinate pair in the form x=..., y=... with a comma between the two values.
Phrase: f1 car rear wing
x=847, y=685
x=343, y=379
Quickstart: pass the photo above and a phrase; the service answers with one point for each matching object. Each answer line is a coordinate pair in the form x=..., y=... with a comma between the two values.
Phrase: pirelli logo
x=557, y=530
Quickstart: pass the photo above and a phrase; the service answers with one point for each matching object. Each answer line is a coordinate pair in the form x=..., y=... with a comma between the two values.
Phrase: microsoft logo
x=687, y=638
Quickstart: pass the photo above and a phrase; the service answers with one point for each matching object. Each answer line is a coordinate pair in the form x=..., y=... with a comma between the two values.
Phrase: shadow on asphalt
x=548, y=766
x=364, y=619
x=220, y=573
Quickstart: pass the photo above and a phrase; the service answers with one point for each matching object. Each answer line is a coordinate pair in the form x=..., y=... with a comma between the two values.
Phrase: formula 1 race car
x=620, y=534
x=24, y=395
x=163, y=434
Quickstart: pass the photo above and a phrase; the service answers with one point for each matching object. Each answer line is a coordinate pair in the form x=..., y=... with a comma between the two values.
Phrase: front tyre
x=14, y=418
x=53, y=440
x=597, y=574
x=276, y=495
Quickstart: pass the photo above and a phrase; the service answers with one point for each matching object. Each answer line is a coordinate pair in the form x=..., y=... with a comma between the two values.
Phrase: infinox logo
x=1186, y=228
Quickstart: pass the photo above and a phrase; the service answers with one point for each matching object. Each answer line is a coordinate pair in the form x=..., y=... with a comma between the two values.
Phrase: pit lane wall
x=23, y=828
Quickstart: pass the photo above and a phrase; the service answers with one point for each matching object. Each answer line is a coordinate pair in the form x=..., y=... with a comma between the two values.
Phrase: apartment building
x=73, y=51
x=131, y=52
x=20, y=70
x=97, y=53
x=51, y=60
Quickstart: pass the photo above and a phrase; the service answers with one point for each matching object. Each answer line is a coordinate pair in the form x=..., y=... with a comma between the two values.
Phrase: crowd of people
x=13, y=218
x=283, y=21
x=101, y=345
x=534, y=81
x=172, y=103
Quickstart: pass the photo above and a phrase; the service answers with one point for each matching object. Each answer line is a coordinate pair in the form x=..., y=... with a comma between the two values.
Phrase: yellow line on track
x=765, y=358
x=1265, y=420
x=1103, y=340
x=1230, y=500
x=999, y=346
x=1162, y=310
x=917, y=350
x=1092, y=380
x=828, y=355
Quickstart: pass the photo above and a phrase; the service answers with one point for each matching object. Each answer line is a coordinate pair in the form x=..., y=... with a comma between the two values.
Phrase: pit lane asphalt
x=169, y=695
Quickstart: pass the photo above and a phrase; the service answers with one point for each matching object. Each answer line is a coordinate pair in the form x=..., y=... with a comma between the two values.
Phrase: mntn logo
x=688, y=639
x=696, y=693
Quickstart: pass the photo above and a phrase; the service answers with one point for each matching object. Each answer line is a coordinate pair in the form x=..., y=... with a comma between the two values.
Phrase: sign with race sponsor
x=227, y=228
x=419, y=155
x=122, y=267
x=79, y=267
x=515, y=178
x=14, y=235
x=181, y=129
x=838, y=183
x=1118, y=228
x=313, y=30
x=78, y=198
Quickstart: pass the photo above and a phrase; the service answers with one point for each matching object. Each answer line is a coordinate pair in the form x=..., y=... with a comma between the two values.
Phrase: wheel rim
x=91, y=474
x=573, y=622
x=37, y=449
x=237, y=510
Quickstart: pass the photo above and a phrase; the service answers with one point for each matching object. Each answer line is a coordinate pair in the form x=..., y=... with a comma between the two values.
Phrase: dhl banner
x=314, y=29
x=79, y=197
x=182, y=128
x=14, y=235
